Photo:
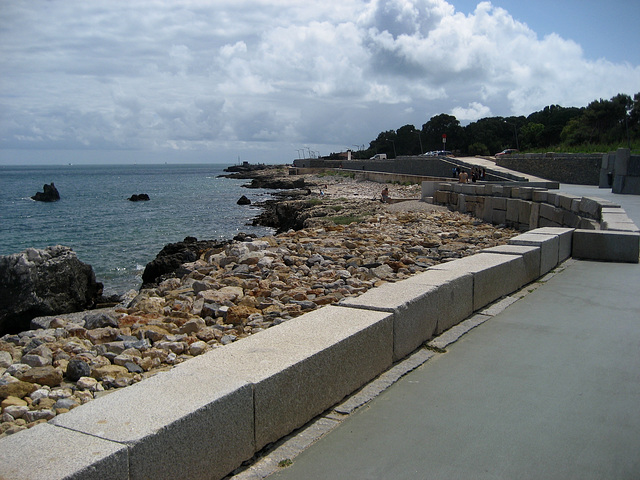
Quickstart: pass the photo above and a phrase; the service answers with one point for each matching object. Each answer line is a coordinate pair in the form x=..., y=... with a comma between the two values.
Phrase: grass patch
x=287, y=462
x=347, y=219
x=313, y=202
x=337, y=173
x=435, y=349
x=336, y=208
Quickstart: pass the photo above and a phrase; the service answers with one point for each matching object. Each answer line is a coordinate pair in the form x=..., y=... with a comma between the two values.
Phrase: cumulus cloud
x=252, y=75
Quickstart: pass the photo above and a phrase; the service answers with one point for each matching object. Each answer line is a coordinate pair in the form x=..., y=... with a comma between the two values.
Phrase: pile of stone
x=228, y=293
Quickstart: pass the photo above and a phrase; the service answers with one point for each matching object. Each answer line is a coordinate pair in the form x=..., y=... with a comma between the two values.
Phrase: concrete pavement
x=549, y=388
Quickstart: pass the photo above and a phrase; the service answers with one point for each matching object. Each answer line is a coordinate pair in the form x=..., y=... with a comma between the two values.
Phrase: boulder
x=140, y=197
x=49, y=194
x=77, y=369
x=243, y=200
x=45, y=282
x=173, y=255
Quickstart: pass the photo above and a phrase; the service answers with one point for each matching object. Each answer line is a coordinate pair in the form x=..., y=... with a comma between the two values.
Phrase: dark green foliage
x=602, y=125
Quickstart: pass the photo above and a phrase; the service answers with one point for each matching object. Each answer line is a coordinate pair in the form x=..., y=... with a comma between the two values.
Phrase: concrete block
x=622, y=161
x=499, y=203
x=441, y=197
x=462, y=203
x=530, y=255
x=487, y=211
x=468, y=188
x=534, y=218
x=513, y=210
x=575, y=205
x=540, y=196
x=549, y=246
x=189, y=422
x=565, y=200
x=553, y=198
x=617, y=219
x=422, y=305
x=608, y=246
x=551, y=213
x=47, y=452
x=524, y=212
x=565, y=239
x=301, y=367
x=494, y=275
x=525, y=193
x=445, y=187
x=499, y=217
x=570, y=219
x=588, y=224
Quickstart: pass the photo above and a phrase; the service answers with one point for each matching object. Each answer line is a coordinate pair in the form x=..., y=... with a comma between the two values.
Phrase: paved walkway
x=547, y=389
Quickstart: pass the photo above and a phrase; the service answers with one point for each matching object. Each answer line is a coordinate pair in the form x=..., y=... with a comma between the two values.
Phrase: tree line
x=601, y=126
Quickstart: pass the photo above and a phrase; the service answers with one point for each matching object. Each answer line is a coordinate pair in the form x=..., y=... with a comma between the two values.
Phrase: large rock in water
x=49, y=194
x=36, y=283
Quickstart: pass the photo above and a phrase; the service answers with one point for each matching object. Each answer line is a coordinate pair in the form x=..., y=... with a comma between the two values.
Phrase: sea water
x=115, y=236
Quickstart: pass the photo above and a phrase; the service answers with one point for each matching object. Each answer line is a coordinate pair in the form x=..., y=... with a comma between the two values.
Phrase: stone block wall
x=573, y=168
x=526, y=208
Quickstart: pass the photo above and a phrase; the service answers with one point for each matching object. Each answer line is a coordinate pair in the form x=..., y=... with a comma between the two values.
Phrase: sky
x=184, y=81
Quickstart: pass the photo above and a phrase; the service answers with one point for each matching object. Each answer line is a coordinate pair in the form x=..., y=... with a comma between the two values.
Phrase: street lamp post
x=420, y=138
x=515, y=132
x=394, y=147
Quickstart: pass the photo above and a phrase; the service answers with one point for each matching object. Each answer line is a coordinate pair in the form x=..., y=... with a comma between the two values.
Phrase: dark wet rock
x=277, y=183
x=77, y=368
x=37, y=283
x=243, y=200
x=140, y=197
x=173, y=255
x=49, y=194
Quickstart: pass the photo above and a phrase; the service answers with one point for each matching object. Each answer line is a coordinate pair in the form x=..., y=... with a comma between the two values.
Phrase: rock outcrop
x=43, y=282
x=49, y=194
x=140, y=197
x=172, y=256
x=243, y=200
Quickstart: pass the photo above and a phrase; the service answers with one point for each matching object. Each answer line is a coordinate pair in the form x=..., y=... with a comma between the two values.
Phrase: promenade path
x=547, y=389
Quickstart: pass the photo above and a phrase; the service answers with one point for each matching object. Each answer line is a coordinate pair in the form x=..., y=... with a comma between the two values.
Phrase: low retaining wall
x=574, y=168
x=526, y=208
x=205, y=417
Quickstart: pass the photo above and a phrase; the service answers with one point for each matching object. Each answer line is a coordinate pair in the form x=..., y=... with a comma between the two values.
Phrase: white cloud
x=251, y=74
x=473, y=112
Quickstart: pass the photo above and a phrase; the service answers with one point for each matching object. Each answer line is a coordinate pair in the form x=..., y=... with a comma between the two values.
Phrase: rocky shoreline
x=342, y=241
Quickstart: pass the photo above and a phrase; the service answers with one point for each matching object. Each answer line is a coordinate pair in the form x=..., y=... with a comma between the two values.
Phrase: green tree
x=531, y=135
x=554, y=118
x=408, y=141
x=439, y=125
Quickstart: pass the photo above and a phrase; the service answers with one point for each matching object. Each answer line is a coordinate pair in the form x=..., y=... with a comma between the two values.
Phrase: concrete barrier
x=605, y=245
x=422, y=305
x=494, y=275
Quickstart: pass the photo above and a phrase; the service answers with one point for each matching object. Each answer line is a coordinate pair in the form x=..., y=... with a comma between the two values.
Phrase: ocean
x=115, y=236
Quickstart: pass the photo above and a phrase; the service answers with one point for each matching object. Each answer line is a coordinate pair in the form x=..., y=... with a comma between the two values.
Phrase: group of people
x=477, y=173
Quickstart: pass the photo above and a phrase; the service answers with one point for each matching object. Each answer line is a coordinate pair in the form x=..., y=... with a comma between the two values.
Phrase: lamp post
x=515, y=132
x=420, y=138
x=394, y=147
